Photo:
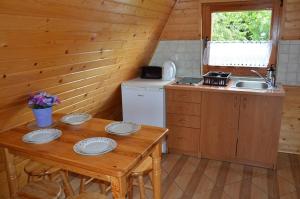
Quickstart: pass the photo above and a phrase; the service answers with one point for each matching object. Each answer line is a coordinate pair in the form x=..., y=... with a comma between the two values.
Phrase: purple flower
x=42, y=100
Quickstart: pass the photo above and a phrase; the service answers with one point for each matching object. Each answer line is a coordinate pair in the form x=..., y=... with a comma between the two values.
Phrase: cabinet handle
x=140, y=95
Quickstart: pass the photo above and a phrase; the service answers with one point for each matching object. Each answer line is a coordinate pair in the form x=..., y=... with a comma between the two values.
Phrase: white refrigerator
x=143, y=102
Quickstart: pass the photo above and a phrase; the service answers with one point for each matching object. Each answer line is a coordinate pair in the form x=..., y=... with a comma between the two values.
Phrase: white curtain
x=248, y=54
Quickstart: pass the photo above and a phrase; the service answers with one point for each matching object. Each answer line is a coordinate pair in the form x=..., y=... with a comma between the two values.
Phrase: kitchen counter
x=233, y=124
x=278, y=91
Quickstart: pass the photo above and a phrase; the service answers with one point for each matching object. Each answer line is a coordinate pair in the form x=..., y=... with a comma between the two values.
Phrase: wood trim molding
x=240, y=71
x=209, y=8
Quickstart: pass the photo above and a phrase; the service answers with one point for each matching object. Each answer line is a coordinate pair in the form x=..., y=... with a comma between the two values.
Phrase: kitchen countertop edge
x=278, y=91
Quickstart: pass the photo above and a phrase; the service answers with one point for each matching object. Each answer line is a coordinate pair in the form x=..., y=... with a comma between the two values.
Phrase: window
x=240, y=36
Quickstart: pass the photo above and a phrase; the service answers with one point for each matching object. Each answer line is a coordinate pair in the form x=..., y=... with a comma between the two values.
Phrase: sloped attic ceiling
x=78, y=50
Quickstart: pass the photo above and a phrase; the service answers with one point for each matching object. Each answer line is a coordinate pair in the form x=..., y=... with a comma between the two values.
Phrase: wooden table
x=113, y=167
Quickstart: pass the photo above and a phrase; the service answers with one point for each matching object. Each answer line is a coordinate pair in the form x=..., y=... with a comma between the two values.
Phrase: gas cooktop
x=192, y=81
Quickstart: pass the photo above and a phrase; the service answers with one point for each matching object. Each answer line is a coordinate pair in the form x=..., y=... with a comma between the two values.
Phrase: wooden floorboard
x=273, y=187
x=295, y=168
x=245, y=191
x=194, y=181
x=210, y=179
x=217, y=191
x=172, y=175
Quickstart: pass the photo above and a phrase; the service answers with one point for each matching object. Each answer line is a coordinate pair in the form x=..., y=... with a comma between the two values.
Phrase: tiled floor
x=187, y=177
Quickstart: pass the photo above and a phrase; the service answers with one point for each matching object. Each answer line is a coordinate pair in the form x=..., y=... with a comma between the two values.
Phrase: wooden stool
x=103, y=186
x=92, y=195
x=35, y=169
x=43, y=189
x=139, y=172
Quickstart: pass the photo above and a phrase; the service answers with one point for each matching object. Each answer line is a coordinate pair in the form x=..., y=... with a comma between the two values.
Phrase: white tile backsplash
x=292, y=67
x=294, y=49
x=293, y=58
x=284, y=48
x=282, y=42
x=298, y=77
x=283, y=58
x=281, y=76
x=187, y=55
x=288, y=67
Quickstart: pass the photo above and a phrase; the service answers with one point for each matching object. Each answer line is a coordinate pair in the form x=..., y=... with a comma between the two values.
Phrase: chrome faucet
x=270, y=78
x=258, y=74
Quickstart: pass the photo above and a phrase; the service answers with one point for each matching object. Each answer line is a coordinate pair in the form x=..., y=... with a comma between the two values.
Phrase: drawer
x=183, y=96
x=184, y=140
x=183, y=108
x=183, y=120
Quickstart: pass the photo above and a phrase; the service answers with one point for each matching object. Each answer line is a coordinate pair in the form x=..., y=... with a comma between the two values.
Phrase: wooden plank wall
x=80, y=50
x=290, y=126
x=290, y=26
x=185, y=20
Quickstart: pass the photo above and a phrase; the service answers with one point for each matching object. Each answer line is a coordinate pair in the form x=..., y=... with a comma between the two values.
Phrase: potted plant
x=41, y=104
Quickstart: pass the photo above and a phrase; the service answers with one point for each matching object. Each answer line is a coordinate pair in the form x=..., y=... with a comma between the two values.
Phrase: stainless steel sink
x=251, y=85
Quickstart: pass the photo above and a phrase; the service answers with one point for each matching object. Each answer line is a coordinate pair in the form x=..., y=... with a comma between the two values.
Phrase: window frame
x=209, y=8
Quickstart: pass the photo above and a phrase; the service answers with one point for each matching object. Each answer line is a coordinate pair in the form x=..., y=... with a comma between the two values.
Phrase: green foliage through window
x=241, y=26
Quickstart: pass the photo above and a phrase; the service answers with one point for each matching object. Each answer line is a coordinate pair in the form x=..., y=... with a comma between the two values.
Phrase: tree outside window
x=241, y=26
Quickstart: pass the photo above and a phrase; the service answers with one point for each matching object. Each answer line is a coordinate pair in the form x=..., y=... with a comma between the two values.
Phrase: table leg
x=119, y=187
x=11, y=173
x=156, y=174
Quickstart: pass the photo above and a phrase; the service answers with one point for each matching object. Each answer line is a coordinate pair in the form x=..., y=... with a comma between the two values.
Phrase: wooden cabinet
x=224, y=125
x=185, y=108
x=183, y=96
x=183, y=121
x=219, y=125
x=242, y=128
x=259, y=128
x=184, y=140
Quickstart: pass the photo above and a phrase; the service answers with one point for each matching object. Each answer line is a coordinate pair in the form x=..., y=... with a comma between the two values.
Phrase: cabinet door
x=185, y=108
x=259, y=127
x=183, y=120
x=219, y=125
x=183, y=96
x=184, y=140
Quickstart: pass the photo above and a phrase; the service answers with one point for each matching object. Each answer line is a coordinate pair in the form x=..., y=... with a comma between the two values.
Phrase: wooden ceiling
x=78, y=50
x=184, y=22
x=290, y=27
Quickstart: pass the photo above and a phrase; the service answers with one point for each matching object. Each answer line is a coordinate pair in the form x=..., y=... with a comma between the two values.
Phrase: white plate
x=122, y=128
x=95, y=146
x=42, y=136
x=76, y=118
